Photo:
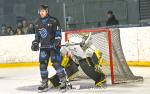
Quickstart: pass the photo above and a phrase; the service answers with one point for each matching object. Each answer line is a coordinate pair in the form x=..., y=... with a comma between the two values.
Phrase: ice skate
x=43, y=87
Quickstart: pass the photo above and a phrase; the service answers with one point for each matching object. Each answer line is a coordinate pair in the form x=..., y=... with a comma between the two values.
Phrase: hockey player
x=48, y=35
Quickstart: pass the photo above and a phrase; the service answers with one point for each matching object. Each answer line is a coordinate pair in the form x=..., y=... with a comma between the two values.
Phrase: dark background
x=83, y=13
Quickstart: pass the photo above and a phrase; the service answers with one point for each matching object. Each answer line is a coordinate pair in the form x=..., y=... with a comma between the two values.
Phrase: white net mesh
x=100, y=39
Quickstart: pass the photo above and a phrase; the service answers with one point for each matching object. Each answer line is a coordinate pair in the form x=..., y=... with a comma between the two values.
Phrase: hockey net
x=109, y=43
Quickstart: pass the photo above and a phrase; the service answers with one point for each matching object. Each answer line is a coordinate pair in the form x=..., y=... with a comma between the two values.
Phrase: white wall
x=135, y=43
x=16, y=49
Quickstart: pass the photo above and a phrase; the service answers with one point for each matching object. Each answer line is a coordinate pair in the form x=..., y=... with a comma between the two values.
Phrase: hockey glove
x=58, y=43
x=35, y=46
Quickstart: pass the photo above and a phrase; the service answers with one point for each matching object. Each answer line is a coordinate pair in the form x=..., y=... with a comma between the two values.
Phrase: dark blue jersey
x=48, y=30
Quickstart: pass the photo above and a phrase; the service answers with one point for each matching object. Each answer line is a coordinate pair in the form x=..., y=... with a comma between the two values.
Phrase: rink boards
x=16, y=50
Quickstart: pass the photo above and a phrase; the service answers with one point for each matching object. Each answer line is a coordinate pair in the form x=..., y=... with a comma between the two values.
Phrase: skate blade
x=45, y=90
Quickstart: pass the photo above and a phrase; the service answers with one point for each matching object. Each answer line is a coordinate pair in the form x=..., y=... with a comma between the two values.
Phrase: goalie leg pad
x=90, y=71
x=71, y=69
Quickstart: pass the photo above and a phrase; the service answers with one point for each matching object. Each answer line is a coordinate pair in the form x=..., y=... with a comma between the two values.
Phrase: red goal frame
x=108, y=31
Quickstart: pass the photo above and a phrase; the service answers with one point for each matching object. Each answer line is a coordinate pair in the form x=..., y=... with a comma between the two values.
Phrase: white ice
x=26, y=81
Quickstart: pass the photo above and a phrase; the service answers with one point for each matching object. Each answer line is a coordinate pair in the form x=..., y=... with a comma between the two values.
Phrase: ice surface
x=26, y=81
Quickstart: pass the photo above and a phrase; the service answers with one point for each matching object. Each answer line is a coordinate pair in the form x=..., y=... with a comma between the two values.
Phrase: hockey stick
x=67, y=44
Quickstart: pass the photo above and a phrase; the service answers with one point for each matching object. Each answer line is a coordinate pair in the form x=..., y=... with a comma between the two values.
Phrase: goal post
x=109, y=43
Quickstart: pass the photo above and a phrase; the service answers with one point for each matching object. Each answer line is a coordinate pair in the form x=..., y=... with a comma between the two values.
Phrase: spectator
x=9, y=31
x=25, y=26
x=111, y=19
x=19, y=25
x=31, y=29
x=21, y=28
x=3, y=29
x=18, y=31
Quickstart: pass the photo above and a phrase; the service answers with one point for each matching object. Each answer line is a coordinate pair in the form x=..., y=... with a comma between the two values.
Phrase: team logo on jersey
x=43, y=33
